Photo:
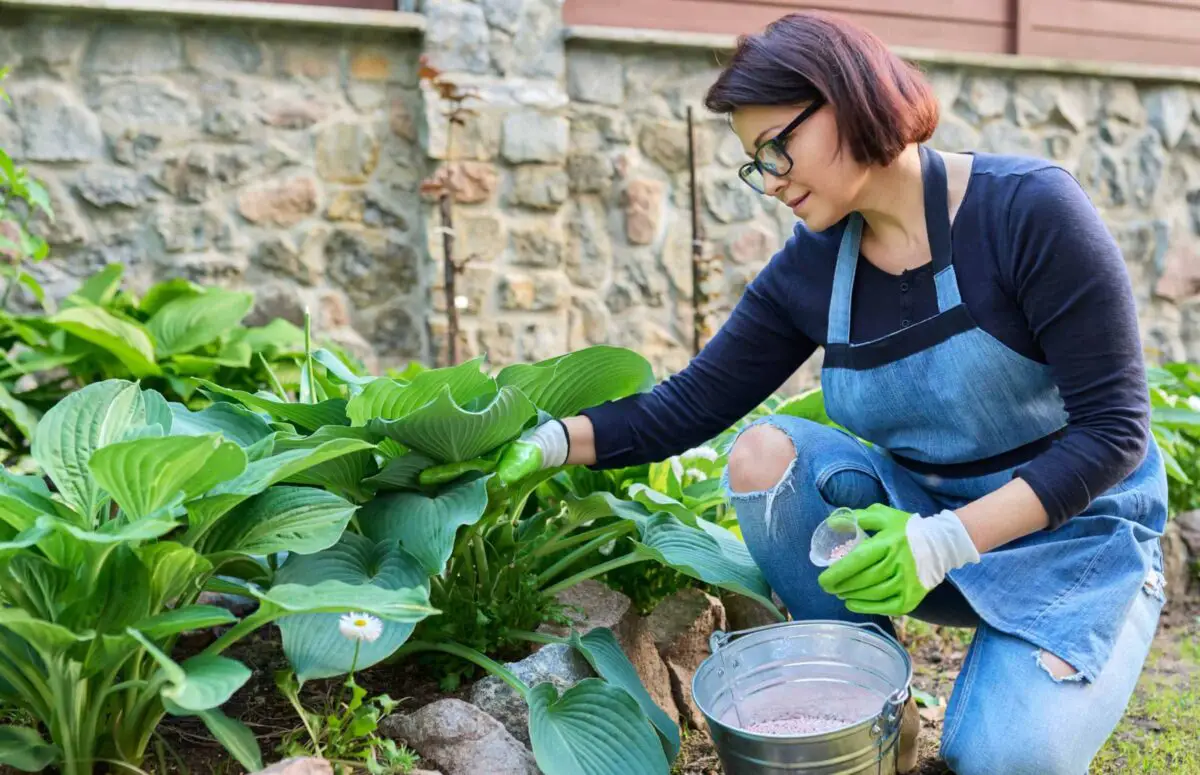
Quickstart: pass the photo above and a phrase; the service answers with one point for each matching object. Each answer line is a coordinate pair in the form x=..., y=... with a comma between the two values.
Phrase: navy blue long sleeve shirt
x=1037, y=269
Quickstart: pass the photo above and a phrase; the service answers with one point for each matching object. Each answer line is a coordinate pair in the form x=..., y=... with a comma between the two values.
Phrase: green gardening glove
x=892, y=571
x=544, y=446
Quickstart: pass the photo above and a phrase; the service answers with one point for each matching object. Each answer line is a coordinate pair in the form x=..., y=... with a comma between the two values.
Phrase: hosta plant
x=493, y=556
x=100, y=573
x=1175, y=423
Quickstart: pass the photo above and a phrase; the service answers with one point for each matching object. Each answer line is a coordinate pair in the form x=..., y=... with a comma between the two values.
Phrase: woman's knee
x=1028, y=752
x=760, y=457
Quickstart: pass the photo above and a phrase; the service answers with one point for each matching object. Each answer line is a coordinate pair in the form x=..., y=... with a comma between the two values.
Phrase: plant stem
x=276, y=385
x=592, y=572
x=481, y=564
x=239, y=631
x=574, y=557
x=471, y=655
x=613, y=530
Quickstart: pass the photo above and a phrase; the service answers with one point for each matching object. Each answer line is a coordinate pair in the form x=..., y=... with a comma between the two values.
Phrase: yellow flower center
x=360, y=622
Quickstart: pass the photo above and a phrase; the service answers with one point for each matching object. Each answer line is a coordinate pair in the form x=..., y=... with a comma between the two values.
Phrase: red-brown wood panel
x=374, y=5
x=1147, y=31
x=960, y=25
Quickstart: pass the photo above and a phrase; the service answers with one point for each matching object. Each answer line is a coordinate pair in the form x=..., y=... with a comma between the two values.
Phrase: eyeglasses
x=771, y=158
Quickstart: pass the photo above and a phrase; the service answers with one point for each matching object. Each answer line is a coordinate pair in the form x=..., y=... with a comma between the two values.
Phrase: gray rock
x=745, y=613
x=947, y=84
x=461, y=740
x=535, y=49
x=1147, y=172
x=955, y=134
x=986, y=96
x=276, y=300
x=1036, y=99
x=596, y=76
x=533, y=136
x=47, y=46
x=1144, y=242
x=194, y=229
x=1104, y=176
x=198, y=174
x=540, y=187
x=590, y=173
x=589, y=245
x=68, y=227
x=12, y=139
x=128, y=49
x=1189, y=529
x=503, y=14
x=557, y=663
x=147, y=104
x=55, y=126
x=1121, y=100
x=228, y=121
x=223, y=50
x=104, y=188
x=729, y=200
x=1176, y=562
x=538, y=244
x=371, y=266
x=681, y=626
x=1003, y=137
x=308, y=765
x=225, y=269
x=1168, y=111
x=393, y=330
x=1073, y=104
x=456, y=36
x=347, y=152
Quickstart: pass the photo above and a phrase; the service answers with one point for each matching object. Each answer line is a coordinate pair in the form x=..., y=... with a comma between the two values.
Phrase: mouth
x=793, y=204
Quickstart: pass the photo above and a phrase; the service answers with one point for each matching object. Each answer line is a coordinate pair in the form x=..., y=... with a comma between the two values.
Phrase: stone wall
x=288, y=161
x=282, y=159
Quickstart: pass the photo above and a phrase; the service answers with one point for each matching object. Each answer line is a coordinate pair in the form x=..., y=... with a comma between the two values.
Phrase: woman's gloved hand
x=892, y=571
x=544, y=446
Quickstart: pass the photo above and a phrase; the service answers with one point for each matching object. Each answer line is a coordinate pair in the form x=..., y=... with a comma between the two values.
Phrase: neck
x=893, y=205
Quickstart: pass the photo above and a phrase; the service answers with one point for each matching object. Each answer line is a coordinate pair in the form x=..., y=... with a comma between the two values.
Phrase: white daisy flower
x=704, y=453
x=360, y=627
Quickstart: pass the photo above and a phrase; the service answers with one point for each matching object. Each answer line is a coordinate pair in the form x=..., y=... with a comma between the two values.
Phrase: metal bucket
x=769, y=672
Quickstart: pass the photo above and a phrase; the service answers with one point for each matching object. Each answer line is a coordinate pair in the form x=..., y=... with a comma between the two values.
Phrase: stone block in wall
x=590, y=173
x=1168, y=111
x=1104, y=176
x=1002, y=137
x=539, y=243
x=370, y=266
x=1146, y=168
x=134, y=49
x=474, y=283
x=480, y=236
x=751, y=245
x=588, y=320
x=537, y=292
x=477, y=137
x=456, y=36
x=986, y=96
x=1120, y=100
x=304, y=263
x=276, y=299
x=644, y=203
x=224, y=269
x=199, y=173
x=528, y=41
x=534, y=136
x=540, y=186
x=596, y=76
x=729, y=200
x=279, y=202
x=666, y=144
x=68, y=228
x=1180, y=281
x=471, y=181
x=221, y=50
x=954, y=134
x=55, y=125
x=393, y=330
x=347, y=152
x=153, y=106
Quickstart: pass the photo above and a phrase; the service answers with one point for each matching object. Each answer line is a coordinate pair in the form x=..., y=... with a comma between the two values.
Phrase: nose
x=773, y=185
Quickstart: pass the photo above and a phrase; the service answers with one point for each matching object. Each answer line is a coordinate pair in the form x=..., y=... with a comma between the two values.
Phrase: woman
x=979, y=329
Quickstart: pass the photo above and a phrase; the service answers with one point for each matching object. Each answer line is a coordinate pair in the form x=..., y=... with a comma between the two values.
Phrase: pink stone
x=841, y=551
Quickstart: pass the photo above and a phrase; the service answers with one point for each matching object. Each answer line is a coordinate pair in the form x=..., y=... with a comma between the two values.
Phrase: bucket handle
x=720, y=639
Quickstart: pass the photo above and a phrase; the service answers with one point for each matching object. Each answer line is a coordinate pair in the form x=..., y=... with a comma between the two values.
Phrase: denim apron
x=942, y=393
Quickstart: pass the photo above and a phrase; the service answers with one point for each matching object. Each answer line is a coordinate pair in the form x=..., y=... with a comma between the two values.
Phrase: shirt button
x=904, y=287
x=905, y=323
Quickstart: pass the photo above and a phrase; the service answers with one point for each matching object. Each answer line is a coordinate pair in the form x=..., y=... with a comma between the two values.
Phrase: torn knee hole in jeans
x=1058, y=668
x=1155, y=585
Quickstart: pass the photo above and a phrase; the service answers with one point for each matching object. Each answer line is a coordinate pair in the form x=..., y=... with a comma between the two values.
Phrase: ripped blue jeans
x=1007, y=714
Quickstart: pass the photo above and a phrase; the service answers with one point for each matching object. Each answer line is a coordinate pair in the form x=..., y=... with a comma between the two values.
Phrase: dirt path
x=1157, y=736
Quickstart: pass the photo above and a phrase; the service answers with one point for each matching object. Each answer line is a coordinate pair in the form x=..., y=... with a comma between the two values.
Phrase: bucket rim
x=893, y=702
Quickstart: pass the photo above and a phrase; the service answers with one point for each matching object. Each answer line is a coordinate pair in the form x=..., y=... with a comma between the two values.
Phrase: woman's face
x=823, y=185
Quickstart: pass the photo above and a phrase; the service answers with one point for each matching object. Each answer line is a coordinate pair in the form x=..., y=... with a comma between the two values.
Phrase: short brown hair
x=881, y=102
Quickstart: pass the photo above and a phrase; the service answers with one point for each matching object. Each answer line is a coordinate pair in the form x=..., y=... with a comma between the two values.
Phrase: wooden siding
x=373, y=5
x=1163, y=32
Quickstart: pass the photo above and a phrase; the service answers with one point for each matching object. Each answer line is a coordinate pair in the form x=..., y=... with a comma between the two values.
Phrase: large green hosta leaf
x=307, y=416
x=400, y=473
x=425, y=526
x=313, y=645
x=343, y=475
x=175, y=570
x=22, y=416
x=595, y=728
x=707, y=552
x=302, y=520
x=386, y=399
x=24, y=749
x=188, y=322
x=234, y=422
x=77, y=426
x=202, y=682
x=600, y=648
x=177, y=620
x=146, y=475
x=126, y=341
x=259, y=475
x=406, y=604
x=565, y=385
x=448, y=433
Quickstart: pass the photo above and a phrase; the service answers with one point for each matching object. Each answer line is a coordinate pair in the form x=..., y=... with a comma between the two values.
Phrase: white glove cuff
x=939, y=544
x=551, y=438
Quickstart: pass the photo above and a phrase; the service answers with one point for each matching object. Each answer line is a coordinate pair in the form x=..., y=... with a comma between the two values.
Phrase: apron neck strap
x=937, y=226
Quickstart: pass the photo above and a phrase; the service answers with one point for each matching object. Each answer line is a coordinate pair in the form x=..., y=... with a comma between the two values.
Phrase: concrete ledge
x=236, y=10
x=1011, y=62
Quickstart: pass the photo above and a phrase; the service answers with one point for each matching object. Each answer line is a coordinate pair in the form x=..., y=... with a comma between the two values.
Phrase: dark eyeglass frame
x=779, y=144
